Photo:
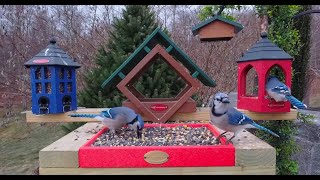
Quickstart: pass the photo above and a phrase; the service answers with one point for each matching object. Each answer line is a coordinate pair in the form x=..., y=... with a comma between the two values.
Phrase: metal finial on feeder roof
x=264, y=49
x=264, y=35
x=53, y=40
x=52, y=55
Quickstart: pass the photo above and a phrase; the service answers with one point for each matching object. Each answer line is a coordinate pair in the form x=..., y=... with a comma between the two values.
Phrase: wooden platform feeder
x=217, y=28
x=157, y=156
x=72, y=155
x=158, y=44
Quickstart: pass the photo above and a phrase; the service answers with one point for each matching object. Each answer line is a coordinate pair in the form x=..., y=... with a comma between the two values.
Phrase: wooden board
x=64, y=151
x=253, y=156
x=252, y=151
x=202, y=114
x=217, y=30
x=254, y=170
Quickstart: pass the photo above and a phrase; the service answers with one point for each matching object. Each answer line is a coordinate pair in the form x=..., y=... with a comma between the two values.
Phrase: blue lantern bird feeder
x=53, y=81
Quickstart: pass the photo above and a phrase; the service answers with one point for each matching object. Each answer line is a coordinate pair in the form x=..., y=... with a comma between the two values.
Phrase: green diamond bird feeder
x=158, y=46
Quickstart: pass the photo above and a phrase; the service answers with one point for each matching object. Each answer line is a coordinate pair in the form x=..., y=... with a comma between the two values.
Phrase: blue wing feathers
x=281, y=89
x=295, y=102
x=277, y=86
x=238, y=118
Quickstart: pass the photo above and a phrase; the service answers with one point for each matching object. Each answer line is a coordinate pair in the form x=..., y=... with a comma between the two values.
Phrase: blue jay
x=230, y=119
x=117, y=117
x=280, y=92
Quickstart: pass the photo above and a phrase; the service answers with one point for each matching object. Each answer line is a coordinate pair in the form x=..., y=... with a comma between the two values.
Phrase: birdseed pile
x=158, y=136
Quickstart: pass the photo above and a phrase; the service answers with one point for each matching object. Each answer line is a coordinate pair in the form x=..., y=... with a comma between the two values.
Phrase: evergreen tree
x=135, y=24
x=129, y=32
x=159, y=81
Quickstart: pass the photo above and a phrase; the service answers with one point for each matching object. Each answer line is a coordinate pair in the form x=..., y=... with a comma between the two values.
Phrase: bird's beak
x=139, y=133
x=225, y=100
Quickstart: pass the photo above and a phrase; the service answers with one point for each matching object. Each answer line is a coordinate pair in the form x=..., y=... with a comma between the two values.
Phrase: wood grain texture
x=202, y=114
x=252, y=151
x=64, y=151
x=254, y=170
x=217, y=29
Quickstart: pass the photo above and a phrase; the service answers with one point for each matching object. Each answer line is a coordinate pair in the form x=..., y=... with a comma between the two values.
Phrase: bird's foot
x=117, y=132
x=228, y=142
x=113, y=132
x=217, y=141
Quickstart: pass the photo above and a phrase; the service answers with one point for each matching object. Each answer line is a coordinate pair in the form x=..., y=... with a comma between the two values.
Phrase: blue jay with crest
x=117, y=117
x=280, y=92
x=230, y=119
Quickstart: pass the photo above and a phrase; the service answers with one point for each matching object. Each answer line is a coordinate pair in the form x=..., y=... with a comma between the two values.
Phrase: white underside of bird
x=113, y=125
x=277, y=97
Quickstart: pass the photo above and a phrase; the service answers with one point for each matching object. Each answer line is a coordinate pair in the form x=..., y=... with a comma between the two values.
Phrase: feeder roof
x=157, y=37
x=266, y=50
x=238, y=27
x=52, y=55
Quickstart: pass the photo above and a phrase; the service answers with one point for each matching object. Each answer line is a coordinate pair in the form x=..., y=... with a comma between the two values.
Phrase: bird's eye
x=218, y=99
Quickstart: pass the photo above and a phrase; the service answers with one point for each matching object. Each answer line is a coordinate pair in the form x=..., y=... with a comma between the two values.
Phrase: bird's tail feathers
x=296, y=103
x=265, y=129
x=84, y=115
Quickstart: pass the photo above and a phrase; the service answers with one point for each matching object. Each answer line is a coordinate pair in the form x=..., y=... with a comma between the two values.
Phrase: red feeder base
x=157, y=156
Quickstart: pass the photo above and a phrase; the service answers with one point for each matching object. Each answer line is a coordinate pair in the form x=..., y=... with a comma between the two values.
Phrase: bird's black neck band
x=217, y=114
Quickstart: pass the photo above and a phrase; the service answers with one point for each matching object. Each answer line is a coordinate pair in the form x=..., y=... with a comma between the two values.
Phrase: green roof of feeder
x=238, y=27
x=157, y=37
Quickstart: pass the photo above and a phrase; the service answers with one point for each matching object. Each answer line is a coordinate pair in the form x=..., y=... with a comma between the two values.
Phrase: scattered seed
x=158, y=136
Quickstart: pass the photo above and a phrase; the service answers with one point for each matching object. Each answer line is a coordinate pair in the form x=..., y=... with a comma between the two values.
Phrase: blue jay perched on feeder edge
x=117, y=117
x=280, y=92
x=230, y=119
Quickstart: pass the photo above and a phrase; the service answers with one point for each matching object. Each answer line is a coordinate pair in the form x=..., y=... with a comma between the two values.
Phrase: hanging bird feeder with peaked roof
x=217, y=28
x=263, y=57
x=53, y=81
